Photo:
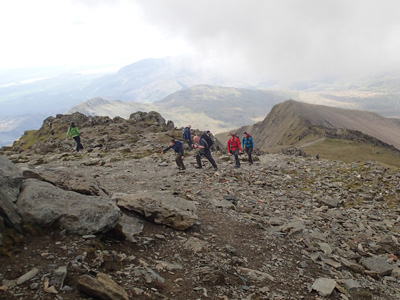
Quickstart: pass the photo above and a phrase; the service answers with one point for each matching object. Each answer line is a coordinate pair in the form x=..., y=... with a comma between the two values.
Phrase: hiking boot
x=215, y=169
x=198, y=167
x=237, y=166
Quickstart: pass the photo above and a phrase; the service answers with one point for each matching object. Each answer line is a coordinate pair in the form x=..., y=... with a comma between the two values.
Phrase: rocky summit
x=120, y=220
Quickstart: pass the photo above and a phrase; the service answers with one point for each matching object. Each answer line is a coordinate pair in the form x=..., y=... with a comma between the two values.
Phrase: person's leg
x=190, y=144
x=80, y=144
x=207, y=154
x=249, y=150
x=179, y=162
x=77, y=141
x=198, y=160
x=237, y=161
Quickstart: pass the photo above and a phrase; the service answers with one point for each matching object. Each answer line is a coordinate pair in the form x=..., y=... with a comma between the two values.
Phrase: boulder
x=162, y=208
x=102, y=287
x=68, y=181
x=131, y=226
x=10, y=179
x=44, y=204
x=10, y=183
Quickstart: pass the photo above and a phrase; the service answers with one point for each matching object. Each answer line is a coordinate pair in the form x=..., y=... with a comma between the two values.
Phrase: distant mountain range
x=203, y=106
x=35, y=94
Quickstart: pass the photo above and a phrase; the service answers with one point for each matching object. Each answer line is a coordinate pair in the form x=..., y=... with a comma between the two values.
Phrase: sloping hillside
x=203, y=106
x=304, y=125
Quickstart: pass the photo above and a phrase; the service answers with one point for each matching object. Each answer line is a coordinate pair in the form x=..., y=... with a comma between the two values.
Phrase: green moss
x=12, y=241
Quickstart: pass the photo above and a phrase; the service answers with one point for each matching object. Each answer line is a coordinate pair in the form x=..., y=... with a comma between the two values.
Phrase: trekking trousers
x=190, y=144
x=78, y=143
x=206, y=154
x=236, y=154
x=249, y=150
x=179, y=161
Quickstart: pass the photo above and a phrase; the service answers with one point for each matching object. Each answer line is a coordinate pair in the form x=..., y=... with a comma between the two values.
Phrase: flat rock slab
x=162, y=208
x=102, y=287
x=67, y=180
x=324, y=286
x=44, y=204
x=379, y=265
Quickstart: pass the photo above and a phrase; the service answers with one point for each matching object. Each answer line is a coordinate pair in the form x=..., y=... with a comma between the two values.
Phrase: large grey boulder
x=68, y=181
x=162, y=208
x=10, y=183
x=42, y=203
x=10, y=178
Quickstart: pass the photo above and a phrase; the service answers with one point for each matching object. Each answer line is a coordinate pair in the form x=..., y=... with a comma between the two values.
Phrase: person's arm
x=243, y=143
x=166, y=149
x=68, y=132
x=252, y=142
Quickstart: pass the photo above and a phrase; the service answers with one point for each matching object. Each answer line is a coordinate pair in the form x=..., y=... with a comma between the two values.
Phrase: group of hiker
x=203, y=144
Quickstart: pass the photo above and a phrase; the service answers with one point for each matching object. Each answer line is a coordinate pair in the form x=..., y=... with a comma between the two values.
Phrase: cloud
x=287, y=40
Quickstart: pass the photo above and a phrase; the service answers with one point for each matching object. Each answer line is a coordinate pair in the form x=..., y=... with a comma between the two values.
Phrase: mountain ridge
x=293, y=123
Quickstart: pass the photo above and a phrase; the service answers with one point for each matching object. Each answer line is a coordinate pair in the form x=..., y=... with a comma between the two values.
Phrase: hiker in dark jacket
x=248, y=145
x=74, y=132
x=178, y=148
x=233, y=145
x=204, y=150
x=187, y=136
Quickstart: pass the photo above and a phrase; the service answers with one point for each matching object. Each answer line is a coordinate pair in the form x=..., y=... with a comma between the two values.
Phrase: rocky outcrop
x=10, y=183
x=160, y=207
x=95, y=131
x=44, y=204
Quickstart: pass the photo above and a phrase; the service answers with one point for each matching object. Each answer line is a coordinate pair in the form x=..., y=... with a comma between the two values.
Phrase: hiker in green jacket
x=74, y=132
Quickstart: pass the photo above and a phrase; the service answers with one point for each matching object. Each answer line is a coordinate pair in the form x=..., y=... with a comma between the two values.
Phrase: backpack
x=208, y=139
x=184, y=133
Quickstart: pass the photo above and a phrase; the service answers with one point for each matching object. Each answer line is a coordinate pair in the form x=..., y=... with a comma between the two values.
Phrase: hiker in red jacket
x=234, y=148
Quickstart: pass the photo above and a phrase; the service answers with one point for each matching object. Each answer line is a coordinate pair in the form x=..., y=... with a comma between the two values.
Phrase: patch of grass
x=349, y=151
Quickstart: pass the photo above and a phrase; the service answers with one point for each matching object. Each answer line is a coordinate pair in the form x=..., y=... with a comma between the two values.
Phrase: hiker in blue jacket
x=248, y=145
x=187, y=136
x=178, y=148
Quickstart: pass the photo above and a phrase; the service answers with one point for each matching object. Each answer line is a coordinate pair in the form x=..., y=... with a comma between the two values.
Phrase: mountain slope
x=295, y=123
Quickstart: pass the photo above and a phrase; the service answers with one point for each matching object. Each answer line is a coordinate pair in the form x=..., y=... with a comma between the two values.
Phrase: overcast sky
x=281, y=39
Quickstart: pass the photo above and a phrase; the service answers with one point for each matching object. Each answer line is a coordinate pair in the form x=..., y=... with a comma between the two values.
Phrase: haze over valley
x=179, y=89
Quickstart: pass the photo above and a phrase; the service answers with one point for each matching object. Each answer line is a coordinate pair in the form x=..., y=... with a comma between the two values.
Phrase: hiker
x=234, y=148
x=204, y=150
x=178, y=148
x=74, y=132
x=187, y=136
x=248, y=145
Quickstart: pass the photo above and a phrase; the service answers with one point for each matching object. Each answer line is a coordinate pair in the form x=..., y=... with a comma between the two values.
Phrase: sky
x=273, y=39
